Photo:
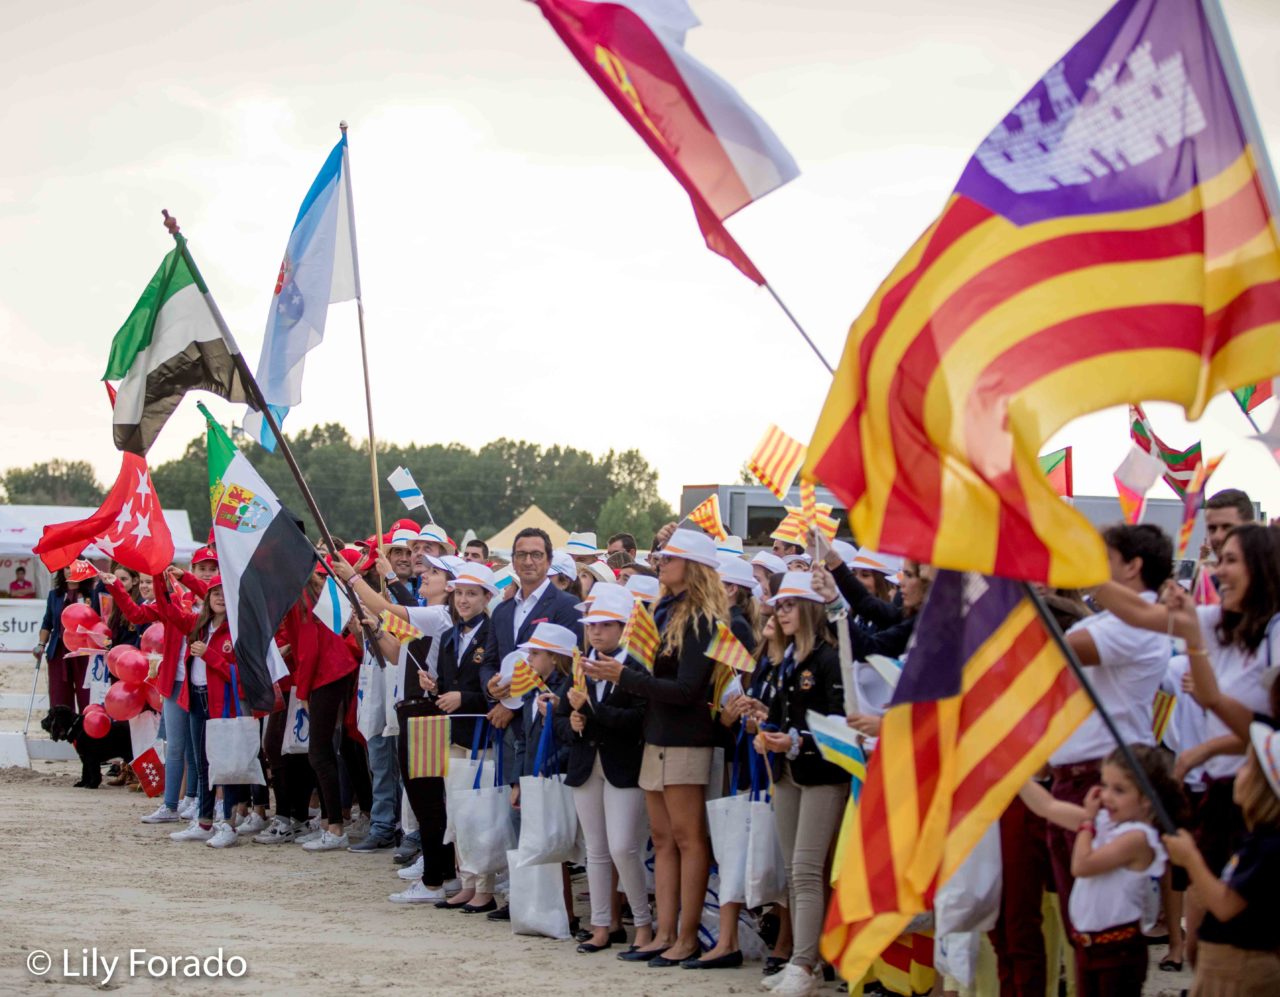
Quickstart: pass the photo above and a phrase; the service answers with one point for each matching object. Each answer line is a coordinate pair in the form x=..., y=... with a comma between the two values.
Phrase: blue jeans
x=176, y=742
x=384, y=771
x=196, y=717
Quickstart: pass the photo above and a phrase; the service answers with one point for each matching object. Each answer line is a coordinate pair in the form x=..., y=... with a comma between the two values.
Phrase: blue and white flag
x=332, y=607
x=319, y=268
x=839, y=744
x=410, y=494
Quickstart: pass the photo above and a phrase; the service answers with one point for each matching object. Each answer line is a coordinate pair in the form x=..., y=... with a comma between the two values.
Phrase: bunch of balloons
x=84, y=633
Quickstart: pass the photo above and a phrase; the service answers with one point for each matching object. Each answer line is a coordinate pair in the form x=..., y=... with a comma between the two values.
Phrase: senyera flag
x=720, y=150
x=1109, y=241
x=264, y=559
x=129, y=527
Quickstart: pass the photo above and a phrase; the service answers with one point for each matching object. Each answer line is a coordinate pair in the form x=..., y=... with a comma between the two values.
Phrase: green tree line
x=480, y=489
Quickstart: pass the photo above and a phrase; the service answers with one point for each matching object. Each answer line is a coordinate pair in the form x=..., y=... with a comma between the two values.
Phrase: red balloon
x=124, y=700
x=96, y=723
x=114, y=656
x=77, y=615
x=130, y=664
x=153, y=639
x=154, y=699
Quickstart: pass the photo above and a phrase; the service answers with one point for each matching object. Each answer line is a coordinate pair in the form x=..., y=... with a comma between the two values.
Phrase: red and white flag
x=719, y=149
x=150, y=771
x=129, y=527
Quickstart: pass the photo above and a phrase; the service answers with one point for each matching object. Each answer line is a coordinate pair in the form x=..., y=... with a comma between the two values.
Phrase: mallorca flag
x=1057, y=468
x=775, y=461
x=1109, y=241
x=167, y=346
x=1179, y=465
x=983, y=699
x=707, y=517
x=719, y=149
x=129, y=527
x=264, y=559
x=319, y=268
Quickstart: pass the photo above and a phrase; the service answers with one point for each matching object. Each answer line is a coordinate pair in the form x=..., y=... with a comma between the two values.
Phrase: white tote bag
x=482, y=821
x=537, y=898
x=548, y=818
x=728, y=820
x=462, y=774
x=297, y=727
x=393, y=683
x=231, y=744
x=766, y=870
x=97, y=679
x=371, y=699
x=970, y=899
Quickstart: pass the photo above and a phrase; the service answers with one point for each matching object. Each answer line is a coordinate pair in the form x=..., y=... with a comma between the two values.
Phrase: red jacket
x=219, y=656
x=176, y=627
x=319, y=655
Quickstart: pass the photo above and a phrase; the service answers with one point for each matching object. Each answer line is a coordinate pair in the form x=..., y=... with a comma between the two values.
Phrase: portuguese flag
x=264, y=559
x=1057, y=468
x=168, y=345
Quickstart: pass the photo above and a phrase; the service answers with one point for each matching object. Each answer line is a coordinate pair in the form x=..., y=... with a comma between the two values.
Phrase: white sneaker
x=280, y=830
x=162, y=815
x=305, y=838
x=193, y=833
x=224, y=836
x=327, y=842
x=412, y=871
x=357, y=827
x=452, y=886
x=187, y=808
x=792, y=981
x=418, y=893
x=252, y=824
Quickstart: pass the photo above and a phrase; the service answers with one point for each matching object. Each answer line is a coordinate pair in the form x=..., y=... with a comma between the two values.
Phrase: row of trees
x=482, y=490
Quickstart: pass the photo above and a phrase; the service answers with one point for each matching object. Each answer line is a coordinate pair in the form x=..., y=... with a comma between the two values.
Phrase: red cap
x=214, y=583
x=358, y=560
x=203, y=554
x=404, y=524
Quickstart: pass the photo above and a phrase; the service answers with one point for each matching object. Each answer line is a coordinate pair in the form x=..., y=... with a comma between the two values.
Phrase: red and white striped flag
x=720, y=150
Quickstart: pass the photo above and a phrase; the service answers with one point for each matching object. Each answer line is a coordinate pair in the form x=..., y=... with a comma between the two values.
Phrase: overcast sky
x=529, y=268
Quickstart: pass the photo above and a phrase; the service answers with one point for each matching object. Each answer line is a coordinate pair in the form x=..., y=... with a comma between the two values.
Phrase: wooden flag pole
x=255, y=392
x=364, y=353
x=1139, y=776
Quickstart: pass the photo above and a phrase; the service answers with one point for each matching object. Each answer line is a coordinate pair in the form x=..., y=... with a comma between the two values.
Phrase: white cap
x=770, y=561
x=643, y=588
x=796, y=585
x=579, y=544
x=691, y=545
x=610, y=603
x=736, y=571
x=730, y=545
x=402, y=538
x=438, y=563
x=551, y=637
x=435, y=534
x=870, y=560
x=563, y=564
x=453, y=564
x=1267, y=746
x=470, y=573
x=846, y=551
x=601, y=571
x=804, y=559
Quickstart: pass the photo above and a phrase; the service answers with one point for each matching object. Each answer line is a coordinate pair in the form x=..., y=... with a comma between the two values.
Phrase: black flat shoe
x=634, y=954
x=445, y=905
x=774, y=964
x=731, y=960
x=482, y=909
x=618, y=937
x=502, y=913
x=588, y=947
x=582, y=935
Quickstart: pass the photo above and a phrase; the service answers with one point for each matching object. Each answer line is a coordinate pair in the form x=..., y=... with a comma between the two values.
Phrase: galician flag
x=319, y=268
x=168, y=345
x=407, y=489
x=264, y=559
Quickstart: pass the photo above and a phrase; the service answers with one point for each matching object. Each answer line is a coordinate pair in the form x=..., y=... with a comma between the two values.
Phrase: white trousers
x=615, y=827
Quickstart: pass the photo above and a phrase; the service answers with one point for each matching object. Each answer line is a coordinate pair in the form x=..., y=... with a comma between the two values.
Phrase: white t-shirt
x=432, y=621
x=1131, y=663
x=1239, y=676
x=1115, y=898
x=1186, y=726
x=199, y=677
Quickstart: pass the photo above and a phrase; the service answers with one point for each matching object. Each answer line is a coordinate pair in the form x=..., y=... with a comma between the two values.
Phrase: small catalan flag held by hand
x=1161, y=713
x=428, y=748
x=728, y=650
x=401, y=630
x=707, y=517
x=524, y=679
x=579, y=676
x=640, y=635
x=776, y=460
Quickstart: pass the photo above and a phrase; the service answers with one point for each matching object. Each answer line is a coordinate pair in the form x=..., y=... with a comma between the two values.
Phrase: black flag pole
x=255, y=392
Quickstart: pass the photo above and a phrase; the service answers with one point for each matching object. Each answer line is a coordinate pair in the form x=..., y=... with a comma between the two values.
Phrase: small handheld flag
x=410, y=494
x=150, y=771
x=428, y=747
x=1161, y=713
x=838, y=743
x=1057, y=468
x=722, y=679
x=1249, y=398
x=1194, y=500
x=1179, y=465
x=332, y=607
x=776, y=461
x=524, y=679
x=640, y=636
x=728, y=650
x=1203, y=590
x=579, y=676
x=1134, y=477
x=707, y=517
x=398, y=628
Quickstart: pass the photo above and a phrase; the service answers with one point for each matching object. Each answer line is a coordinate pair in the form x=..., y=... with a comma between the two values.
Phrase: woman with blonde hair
x=679, y=733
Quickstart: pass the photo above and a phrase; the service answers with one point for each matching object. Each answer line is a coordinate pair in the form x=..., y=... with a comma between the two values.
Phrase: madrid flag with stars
x=129, y=527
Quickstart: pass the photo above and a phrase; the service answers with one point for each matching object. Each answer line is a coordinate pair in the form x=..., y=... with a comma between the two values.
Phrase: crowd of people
x=645, y=747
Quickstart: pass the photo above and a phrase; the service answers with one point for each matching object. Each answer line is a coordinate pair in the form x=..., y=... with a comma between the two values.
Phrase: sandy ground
x=80, y=872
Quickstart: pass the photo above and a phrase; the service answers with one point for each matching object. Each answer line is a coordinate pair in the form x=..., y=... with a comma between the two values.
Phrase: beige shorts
x=662, y=767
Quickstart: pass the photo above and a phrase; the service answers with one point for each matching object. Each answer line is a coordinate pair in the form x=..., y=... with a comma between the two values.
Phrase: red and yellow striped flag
x=728, y=650
x=579, y=676
x=776, y=460
x=1161, y=713
x=983, y=699
x=428, y=747
x=707, y=517
x=401, y=630
x=1194, y=500
x=1061, y=277
x=524, y=679
x=640, y=635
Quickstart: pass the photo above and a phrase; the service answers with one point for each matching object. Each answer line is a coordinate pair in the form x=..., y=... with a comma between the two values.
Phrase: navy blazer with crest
x=553, y=606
